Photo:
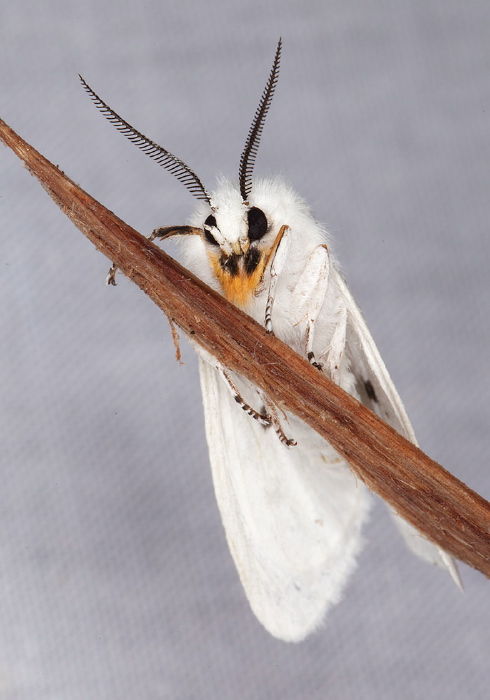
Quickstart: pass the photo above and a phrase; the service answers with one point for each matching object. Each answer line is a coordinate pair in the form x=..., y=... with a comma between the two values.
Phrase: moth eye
x=210, y=221
x=257, y=224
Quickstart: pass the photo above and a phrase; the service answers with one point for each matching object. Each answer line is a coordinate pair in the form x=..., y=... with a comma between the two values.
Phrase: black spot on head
x=257, y=224
x=230, y=264
x=252, y=259
x=370, y=391
x=210, y=238
x=210, y=221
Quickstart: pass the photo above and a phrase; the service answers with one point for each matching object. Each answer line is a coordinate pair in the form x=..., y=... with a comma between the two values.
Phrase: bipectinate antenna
x=170, y=162
x=247, y=160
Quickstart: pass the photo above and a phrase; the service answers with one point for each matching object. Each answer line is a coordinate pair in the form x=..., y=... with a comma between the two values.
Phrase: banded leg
x=162, y=232
x=310, y=355
x=310, y=293
x=111, y=275
x=279, y=257
x=263, y=418
x=110, y=280
x=266, y=418
x=333, y=356
x=272, y=410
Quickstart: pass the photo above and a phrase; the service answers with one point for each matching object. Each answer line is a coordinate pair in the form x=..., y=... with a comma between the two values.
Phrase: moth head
x=236, y=237
x=233, y=228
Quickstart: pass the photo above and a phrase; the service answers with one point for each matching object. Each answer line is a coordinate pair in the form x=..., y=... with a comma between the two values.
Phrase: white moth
x=291, y=508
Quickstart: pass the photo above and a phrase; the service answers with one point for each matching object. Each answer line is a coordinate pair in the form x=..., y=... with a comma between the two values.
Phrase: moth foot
x=287, y=442
x=263, y=418
x=270, y=409
x=111, y=276
x=312, y=361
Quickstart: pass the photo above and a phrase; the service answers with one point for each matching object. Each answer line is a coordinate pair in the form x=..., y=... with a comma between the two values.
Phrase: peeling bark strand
x=434, y=501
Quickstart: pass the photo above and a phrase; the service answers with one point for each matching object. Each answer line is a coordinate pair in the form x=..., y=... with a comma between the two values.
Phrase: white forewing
x=377, y=392
x=292, y=517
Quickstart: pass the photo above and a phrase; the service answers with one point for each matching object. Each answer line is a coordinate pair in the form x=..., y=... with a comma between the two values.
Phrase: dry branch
x=434, y=501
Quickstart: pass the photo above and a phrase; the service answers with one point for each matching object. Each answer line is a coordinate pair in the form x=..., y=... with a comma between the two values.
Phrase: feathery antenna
x=163, y=157
x=247, y=160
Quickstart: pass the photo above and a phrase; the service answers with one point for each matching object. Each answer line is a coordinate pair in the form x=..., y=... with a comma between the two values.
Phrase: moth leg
x=111, y=275
x=335, y=350
x=263, y=418
x=272, y=411
x=310, y=293
x=267, y=417
x=279, y=258
x=162, y=232
x=110, y=280
x=309, y=336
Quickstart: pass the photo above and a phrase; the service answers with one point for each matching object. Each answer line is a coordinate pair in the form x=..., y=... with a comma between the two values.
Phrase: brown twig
x=438, y=504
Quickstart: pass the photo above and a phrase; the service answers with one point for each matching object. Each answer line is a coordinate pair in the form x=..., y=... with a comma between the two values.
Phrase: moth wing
x=378, y=393
x=292, y=517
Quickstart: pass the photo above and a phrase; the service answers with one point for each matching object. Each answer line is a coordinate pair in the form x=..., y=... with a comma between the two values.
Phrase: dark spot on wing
x=370, y=391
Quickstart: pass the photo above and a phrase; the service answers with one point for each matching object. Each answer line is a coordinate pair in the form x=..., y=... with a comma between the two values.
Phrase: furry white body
x=292, y=517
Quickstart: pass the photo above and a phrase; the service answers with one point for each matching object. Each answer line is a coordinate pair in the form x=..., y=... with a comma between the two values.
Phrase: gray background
x=115, y=579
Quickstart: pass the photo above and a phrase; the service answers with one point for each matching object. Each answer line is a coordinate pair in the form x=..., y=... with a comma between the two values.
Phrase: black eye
x=257, y=224
x=210, y=221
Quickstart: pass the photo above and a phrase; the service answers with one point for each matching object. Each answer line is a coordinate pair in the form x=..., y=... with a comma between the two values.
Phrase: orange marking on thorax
x=238, y=288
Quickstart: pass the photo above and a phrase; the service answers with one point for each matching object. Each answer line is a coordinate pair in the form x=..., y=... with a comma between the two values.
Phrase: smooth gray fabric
x=115, y=579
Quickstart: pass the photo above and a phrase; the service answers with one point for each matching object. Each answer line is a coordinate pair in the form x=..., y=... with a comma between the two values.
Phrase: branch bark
x=425, y=494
